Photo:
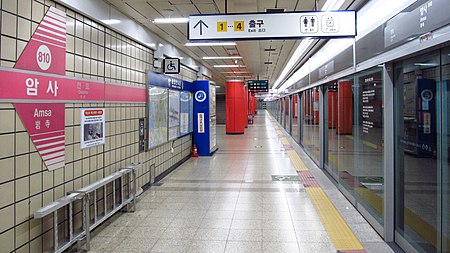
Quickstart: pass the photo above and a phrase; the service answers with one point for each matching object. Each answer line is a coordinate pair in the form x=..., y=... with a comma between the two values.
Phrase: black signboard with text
x=258, y=85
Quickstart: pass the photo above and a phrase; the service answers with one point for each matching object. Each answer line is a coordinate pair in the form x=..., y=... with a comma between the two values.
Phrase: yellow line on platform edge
x=284, y=141
x=299, y=165
x=340, y=234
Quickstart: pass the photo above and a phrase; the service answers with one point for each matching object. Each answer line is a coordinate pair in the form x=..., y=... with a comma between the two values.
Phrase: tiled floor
x=229, y=203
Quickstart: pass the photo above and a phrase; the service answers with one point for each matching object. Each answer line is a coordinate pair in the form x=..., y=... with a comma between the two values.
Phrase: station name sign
x=260, y=26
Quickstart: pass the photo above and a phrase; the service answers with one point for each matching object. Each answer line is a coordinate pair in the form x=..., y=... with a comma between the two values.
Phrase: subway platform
x=258, y=193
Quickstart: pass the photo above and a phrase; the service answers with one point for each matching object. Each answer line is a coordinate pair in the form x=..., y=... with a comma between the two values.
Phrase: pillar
x=345, y=108
x=235, y=107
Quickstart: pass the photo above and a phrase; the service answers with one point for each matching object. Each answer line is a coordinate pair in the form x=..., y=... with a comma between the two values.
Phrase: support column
x=246, y=96
x=235, y=107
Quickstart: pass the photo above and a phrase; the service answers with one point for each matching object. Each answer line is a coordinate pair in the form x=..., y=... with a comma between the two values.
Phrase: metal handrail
x=84, y=194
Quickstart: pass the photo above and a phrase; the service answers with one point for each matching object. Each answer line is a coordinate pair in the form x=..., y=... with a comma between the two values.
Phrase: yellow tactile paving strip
x=340, y=234
x=284, y=141
x=299, y=165
x=278, y=132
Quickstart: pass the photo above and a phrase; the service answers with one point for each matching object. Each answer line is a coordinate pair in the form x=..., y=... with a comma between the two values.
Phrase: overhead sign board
x=271, y=26
x=258, y=85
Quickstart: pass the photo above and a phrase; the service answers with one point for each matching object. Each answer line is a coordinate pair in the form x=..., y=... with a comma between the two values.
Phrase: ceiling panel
x=180, y=1
x=202, y=1
x=145, y=9
x=128, y=10
x=288, y=5
x=221, y=5
x=160, y=5
x=186, y=9
x=265, y=4
x=207, y=8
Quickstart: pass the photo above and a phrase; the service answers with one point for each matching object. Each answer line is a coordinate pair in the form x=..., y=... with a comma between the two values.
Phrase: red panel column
x=315, y=106
x=332, y=109
x=294, y=106
x=235, y=108
x=246, y=95
x=345, y=108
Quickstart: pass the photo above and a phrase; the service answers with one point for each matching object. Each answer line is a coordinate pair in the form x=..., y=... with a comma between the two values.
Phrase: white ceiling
x=254, y=54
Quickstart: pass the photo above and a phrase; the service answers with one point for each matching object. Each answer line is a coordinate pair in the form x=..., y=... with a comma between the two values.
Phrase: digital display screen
x=258, y=85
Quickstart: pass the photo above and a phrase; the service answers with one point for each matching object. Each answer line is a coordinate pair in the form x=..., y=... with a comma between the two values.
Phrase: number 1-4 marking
x=222, y=26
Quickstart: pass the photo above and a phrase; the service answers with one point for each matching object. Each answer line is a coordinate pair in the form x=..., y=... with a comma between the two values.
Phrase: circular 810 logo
x=200, y=96
x=44, y=57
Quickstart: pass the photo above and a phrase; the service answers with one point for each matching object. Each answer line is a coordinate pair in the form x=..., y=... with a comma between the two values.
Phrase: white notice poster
x=92, y=127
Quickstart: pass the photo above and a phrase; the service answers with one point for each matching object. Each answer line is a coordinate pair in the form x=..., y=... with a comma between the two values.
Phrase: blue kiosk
x=204, y=117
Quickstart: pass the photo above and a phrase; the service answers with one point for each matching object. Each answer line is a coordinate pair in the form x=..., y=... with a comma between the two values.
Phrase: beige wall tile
x=78, y=63
x=21, y=47
x=69, y=153
x=24, y=9
x=9, y=22
x=76, y=149
x=10, y=6
x=6, y=170
x=35, y=183
x=35, y=163
x=68, y=187
x=22, y=188
x=7, y=240
x=24, y=29
x=77, y=169
x=37, y=11
x=7, y=196
x=22, y=234
x=58, y=176
x=77, y=184
x=47, y=179
x=47, y=198
x=22, y=165
x=69, y=112
x=59, y=192
x=85, y=181
x=7, y=220
x=70, y=62
x=7, y=122
x=25, y=248
x=36, y=245
x=8, y=49
x=86, y=66
x=85, y=166
x=22, y=143
x=22, y=211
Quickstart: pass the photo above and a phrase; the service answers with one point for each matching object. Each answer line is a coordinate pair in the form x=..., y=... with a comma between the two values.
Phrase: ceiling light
x=236, y=72
x=210, y=44
x=426, y=64
x=221, y=57
x=229, y=66
x=110, y=21
x=170, y=20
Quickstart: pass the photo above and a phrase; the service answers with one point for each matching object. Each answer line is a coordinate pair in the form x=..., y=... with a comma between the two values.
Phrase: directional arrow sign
x=200, y=23
x=270, y=26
